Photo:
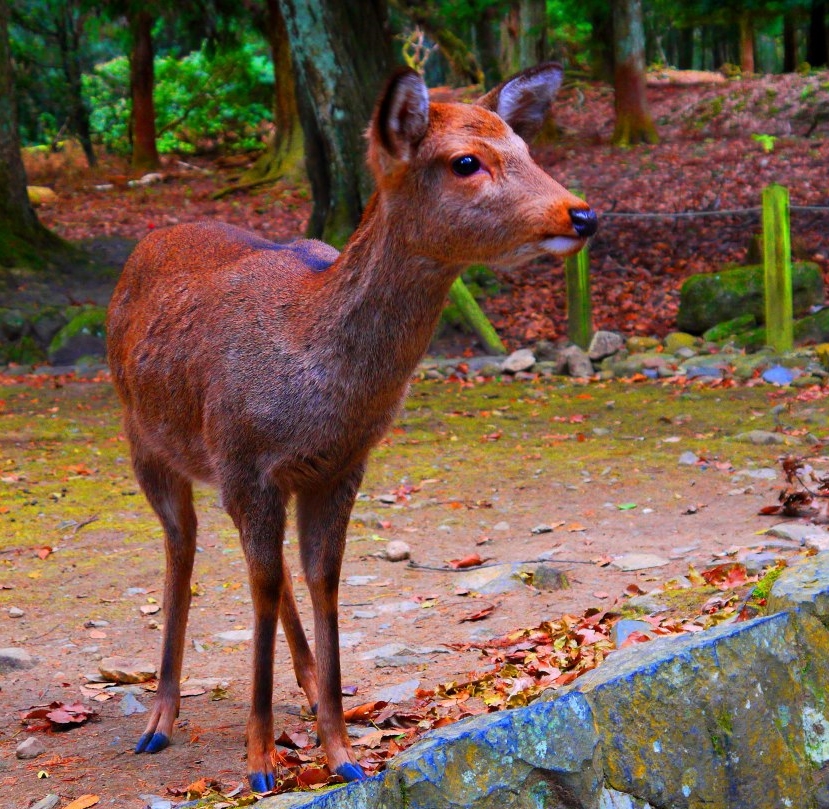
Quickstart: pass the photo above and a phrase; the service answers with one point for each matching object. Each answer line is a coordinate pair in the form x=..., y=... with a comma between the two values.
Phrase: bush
x=220, y=102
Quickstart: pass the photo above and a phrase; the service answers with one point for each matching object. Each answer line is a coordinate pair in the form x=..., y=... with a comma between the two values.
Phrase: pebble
x=397, y=693
x=501, y=526
x=397, y=550
x=16, y=612
x=49, y=802
x=688, y=458
x=30, y=747
x=521, y=360
x=541, y=529
x=623, y=629
x=638, y=561
x=236, y=635
x=359, y=581
x=130, y=705
x=796, y=532
x=760, y=438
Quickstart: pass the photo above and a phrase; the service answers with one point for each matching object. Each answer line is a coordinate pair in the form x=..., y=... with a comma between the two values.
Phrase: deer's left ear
x=401, y=116
x=523, y=101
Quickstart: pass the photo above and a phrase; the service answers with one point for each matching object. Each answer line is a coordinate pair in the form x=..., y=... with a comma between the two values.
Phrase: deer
x=271, y=370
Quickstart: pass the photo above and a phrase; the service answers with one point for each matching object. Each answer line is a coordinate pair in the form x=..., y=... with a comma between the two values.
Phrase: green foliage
x=766, y=141
x=202, y=101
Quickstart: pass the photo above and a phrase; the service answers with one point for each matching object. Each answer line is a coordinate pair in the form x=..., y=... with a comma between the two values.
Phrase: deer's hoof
x=152, y=743
x=261, y=781
x=351, y=772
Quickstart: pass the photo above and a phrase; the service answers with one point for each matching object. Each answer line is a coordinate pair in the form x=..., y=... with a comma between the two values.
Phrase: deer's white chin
x=562, y=245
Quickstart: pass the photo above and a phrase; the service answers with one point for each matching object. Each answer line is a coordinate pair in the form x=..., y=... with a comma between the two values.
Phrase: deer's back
x=219, y=351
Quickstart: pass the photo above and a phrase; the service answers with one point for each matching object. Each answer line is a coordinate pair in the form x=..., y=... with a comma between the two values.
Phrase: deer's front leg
x=259, y=514
x=322, y=516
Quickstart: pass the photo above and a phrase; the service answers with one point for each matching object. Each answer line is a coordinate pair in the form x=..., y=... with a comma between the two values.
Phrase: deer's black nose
x=585, y=221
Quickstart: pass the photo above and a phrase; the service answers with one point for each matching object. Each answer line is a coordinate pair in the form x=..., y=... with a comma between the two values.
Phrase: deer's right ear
x=402, y=115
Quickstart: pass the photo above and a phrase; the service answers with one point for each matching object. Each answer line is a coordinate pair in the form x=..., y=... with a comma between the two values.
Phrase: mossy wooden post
x=579, y=307
x=475, y=318
x=777, y=262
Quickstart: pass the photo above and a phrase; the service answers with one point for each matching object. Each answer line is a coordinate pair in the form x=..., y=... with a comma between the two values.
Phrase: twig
x=445, y=569
x=82, y=523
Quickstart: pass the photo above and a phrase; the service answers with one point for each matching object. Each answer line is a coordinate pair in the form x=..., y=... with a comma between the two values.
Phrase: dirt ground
x=467, y=469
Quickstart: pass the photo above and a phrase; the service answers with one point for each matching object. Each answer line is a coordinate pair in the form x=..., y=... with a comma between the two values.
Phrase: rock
x=638, y=561
x=16, y=612
x=541, y=529
x=545, y=350
x=577, y=362
x=805, y=587
x=677, y=340
x=712, y=298
x=124, y=670
x=638, y=343
x=693, y=371
x=235, y=635
x=521, y=360
x=49, y=802
x=359, y=581
x=796, y=532
x=30, y=747
x=778, y=375
x=756, y=563
x=84, y=335
x=605, y=344
x=397, y=693
x=813, y=327
x=737, y=325
x=397, y=550
x=15, y=659
x=13, y=324
x=760, y=438
x=501, y=526
x=688, y=458
x=685, y=353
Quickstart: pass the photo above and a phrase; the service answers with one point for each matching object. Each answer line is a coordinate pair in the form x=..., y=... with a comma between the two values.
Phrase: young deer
x=271, y=370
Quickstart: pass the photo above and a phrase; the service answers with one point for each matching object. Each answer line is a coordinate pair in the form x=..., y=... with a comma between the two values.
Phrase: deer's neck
x=386, y=301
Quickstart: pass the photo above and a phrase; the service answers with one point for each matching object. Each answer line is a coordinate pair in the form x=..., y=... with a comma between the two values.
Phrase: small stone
x=397, y=693
x=49, y=802
x=130, y=705
x=578, y=363
x=685, y=353
x=605, y=344
x=397, y=550
x=796, y=532
x=688, y=458
x=542, y=529
x=124, y=670
x=756, y=563
x=501, y=526
x=638, y=343
x=521, y=360
x=236, y=635
x=760, y=438
x=359, y=581
x=364, y=614
x=623, y=629
x=350, y=639
x=15, y=612
x=547, y=578
x=677, y=340
x=95, y=624
x=12, y=659
x=638, y=561
x=30, y=747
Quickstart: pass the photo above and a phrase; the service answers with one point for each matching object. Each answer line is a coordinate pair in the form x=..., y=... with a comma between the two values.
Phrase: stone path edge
x=735, y=716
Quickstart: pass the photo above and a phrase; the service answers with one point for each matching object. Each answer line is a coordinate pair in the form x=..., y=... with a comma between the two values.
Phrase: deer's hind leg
x=171, y=496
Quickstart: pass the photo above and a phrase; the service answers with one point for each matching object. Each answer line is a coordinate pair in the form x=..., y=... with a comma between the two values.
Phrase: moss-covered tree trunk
x=341, y=55
x=633, y=119
x=142, y=80
x=21, y=234
x=485, y=28
x=746, y=43
x=284, y=154
x=524, y=35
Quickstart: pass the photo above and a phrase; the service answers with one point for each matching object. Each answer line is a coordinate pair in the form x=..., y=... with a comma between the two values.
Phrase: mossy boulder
x=23, y=351
x=83, y=336
x=712, y=298
x=737, y=325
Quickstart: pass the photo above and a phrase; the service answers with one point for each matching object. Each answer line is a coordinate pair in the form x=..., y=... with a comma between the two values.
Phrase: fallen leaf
x=479, y=615
x=84, y=802
x=473, y=560
x=362, y=713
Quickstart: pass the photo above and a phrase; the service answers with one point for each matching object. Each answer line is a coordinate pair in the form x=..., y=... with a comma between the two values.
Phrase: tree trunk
x=601, y=22
x=817, y=52
x=69, y=41
x=685, y=51
x=746, y=43
x=789, y=42
x=633, y=119
x=21, y=233
x=142, y=78
x=523, y=36
x=284, y=154
x=341, y=54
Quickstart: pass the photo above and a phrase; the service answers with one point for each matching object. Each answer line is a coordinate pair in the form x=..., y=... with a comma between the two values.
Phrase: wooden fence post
x=579, y=306
x=777, y=264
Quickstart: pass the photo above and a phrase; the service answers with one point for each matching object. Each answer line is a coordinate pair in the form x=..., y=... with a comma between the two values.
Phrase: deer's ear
x=524, y=100
x=402, y=114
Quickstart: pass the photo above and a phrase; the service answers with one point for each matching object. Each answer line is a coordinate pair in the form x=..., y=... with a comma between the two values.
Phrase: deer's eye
x=466, y=165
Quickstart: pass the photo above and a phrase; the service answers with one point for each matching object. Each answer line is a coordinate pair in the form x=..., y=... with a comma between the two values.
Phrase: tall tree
x=142, y=82
x=341, y=54
x=21, y=233
x=633, y=119
x=817, y=53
